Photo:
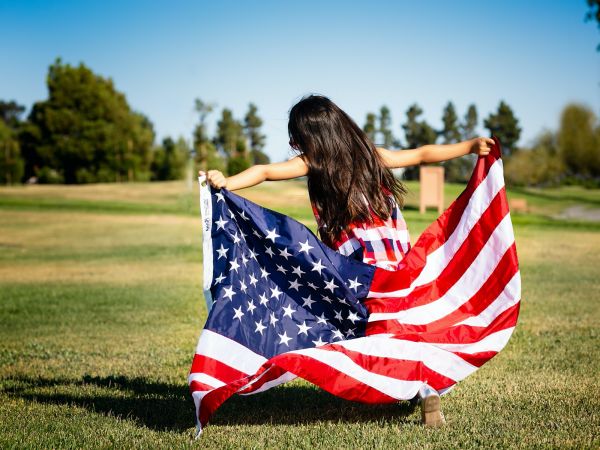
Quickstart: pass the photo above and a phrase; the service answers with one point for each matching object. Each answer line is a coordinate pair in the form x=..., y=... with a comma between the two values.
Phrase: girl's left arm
x=435, y=153
x=293, y=168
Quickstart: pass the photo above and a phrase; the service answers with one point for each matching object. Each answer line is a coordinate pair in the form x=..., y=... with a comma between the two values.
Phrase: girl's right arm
x=435, y=153
x=293, y=168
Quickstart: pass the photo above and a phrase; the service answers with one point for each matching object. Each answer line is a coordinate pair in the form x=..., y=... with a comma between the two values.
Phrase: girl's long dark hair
x=343, y=166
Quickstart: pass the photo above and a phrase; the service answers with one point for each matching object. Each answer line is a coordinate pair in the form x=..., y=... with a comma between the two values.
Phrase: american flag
x=284, y=305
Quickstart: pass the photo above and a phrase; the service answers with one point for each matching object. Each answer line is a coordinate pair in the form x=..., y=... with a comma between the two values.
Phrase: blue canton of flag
x=274, y=286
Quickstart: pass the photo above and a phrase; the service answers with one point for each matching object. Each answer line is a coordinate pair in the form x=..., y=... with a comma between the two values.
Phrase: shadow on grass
x=162, y=406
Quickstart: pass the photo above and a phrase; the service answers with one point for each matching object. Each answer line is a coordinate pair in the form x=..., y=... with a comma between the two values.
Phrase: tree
x=456, y=169
x=450, y=133
x=505, y=126
x=370, y=127
x=229, y=132
x=169, y=160
x=85, y=131
x=469, y=123
x=10, y=113
x=579, y=141
x=385, y=126
x=11, y=162
x=417, y=134
x=593, y=14
x=205, y=151
x=230, y=140
x=252, y=125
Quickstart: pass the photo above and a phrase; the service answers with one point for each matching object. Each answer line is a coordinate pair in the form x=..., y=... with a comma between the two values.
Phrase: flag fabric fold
x=284, y=305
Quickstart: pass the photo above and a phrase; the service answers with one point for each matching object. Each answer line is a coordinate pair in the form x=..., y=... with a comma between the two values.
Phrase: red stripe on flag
x=215, y=368
x=330, y=379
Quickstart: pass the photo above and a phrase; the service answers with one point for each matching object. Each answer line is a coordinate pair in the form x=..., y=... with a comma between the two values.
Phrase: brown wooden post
x=432, y=187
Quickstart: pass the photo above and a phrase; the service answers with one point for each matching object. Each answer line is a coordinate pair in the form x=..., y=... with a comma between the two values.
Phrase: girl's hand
x=481, y=146
x=215, y=178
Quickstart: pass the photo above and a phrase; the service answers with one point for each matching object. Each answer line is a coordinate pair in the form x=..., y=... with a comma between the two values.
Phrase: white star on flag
x=298, y=271
x=294, y=285
x=284, y=338
x=234, y=265
x=253, y=279
x=221, y=223
x=338, y=334
x=238, y=313
x=229, y=292
x=264, y=299
x=354, y=284
x=305, y=247
x=319, y=342
x=219, y=278
x=318, y=266
x=288, y=311
x=303, y=328
x=331, y=285
x=284, y=252
x=272, y=234
x=308, y=301
x=353, y=317
x=222, y=252
x=259, y=327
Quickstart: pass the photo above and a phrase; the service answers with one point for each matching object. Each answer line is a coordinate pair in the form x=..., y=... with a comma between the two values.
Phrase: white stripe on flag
x=204, y=378
x=438, y=360
x=437, y=260
x=287, y=376
x=229, y=352
x=510, y=296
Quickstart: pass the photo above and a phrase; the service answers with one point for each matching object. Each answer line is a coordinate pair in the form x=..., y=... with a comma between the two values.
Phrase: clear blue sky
x=536, y=55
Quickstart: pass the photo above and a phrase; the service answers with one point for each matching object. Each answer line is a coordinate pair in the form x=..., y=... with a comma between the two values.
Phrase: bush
x=540, y=165
x=47, y=175
x=84, y=176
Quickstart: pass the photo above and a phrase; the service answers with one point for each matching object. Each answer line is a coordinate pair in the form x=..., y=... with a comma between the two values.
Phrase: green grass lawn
x=101, y=307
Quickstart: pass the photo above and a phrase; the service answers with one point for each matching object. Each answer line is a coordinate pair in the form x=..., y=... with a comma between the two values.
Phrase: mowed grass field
x=101, y=307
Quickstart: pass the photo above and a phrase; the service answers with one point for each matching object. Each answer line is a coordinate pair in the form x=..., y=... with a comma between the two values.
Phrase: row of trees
x=85, y=131
x=418, y=132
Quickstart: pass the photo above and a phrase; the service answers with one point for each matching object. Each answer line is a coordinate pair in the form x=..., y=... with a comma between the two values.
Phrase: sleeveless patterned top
x=383, y=243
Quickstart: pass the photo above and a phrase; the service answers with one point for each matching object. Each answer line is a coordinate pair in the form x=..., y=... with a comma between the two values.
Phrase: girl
x=354, y=195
